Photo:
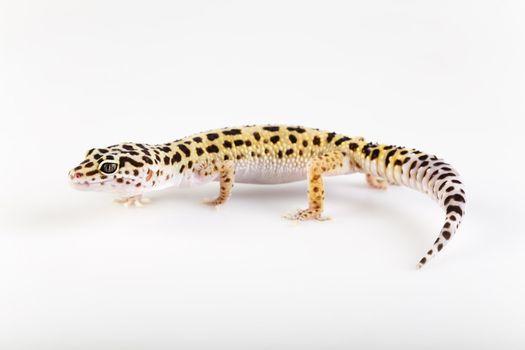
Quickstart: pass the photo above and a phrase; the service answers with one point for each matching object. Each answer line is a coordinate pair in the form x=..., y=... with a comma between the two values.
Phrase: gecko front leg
x=226, y=172
x=137, y=201
x=324, y=164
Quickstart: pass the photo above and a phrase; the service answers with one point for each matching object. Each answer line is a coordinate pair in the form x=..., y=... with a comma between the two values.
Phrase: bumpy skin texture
x=270, y=154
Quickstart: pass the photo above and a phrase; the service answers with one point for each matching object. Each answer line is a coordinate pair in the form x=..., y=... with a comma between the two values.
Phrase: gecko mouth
x=82, y=185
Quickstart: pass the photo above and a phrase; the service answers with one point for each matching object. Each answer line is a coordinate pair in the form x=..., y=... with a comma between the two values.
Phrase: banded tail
x=422, y=172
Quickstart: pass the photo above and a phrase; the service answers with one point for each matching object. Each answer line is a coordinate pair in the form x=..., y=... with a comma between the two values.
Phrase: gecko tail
x=452, y=222
x=422, y=172
x=451, y=196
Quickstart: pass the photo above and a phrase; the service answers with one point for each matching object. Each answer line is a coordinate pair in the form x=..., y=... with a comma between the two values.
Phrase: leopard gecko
x=270, y=154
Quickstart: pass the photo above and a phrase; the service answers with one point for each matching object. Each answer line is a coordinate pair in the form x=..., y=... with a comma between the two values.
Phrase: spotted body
x=270, y=154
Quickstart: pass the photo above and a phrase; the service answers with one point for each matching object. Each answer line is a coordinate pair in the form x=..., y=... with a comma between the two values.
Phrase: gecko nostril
x=78, y=175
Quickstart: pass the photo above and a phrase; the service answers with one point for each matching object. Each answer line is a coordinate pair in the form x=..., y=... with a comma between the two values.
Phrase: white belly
x=262, y=171
x=270, y=171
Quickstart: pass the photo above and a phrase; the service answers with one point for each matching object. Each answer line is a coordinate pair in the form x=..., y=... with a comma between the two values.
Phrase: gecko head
x=125, y=169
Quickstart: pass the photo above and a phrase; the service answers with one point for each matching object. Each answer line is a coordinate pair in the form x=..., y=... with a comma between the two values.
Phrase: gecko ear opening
x=108, y=167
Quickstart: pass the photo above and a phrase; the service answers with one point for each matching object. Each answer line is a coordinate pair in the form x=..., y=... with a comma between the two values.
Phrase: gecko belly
x=270, y=172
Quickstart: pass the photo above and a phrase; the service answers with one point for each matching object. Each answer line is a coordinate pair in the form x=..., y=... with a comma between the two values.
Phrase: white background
x=80, y=272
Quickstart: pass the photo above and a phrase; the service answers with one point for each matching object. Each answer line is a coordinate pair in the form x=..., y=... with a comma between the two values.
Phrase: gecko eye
x=108, y=167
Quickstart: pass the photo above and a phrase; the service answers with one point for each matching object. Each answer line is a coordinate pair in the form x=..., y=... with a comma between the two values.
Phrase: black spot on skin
x=199, y=151
x=232, y=132
x=257, y=136
x=212, y=136
x=389, y=155
x=110, y=157
x=297, y=129
x=446, y=168
x=197, y=139
x=128, y=147
x=375, y=154
x=423, y=261
x=166, y=160
x=238, y=142
x=227, y=144
x=423, y=157
x=292, y=138
x=442, y=185
x=366, y=149
x=404, y=152
x=184, y=149
x=447, y=225
x=190, y=164
x=89, y=164
x=433, y=174
x=165, y=149
x=305, y=143
x=212, y=149
x=248, y=143
x=135, y=172
x=330, y=137
x=457, y=197
x=457, y=182
x=444, y=176
x=446, y=235
x=353, y=146
x=424, y=164
x=440, y=247
x=454, y=209
x=176, y=158
x=91, y=173
x=120, y=180
x=412, y=166
x=182, y=168
x=280, y=154
x=147, y=159
x=289, y=152
x=226, y=157
x=453, y=218
x=271, y=128
x=341, y=140
x=398, y=162
x=124, y=160
x=275, y=139
x=386, y=148
x=317, y=140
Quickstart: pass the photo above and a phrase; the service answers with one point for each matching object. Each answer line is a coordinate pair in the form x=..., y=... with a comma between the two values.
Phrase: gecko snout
x=74, y=175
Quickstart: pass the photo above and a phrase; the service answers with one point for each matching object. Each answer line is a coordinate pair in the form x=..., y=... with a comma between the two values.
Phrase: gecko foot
x=137, y=201
x=376, y=183
x=307, y=214
x=216, y=202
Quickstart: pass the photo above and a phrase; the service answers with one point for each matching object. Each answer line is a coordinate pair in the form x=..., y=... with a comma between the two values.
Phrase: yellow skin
x=269, y=154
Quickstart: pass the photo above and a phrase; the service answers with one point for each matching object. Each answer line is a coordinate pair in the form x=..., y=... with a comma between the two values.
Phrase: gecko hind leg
x=324, y=164
x=376, y=182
